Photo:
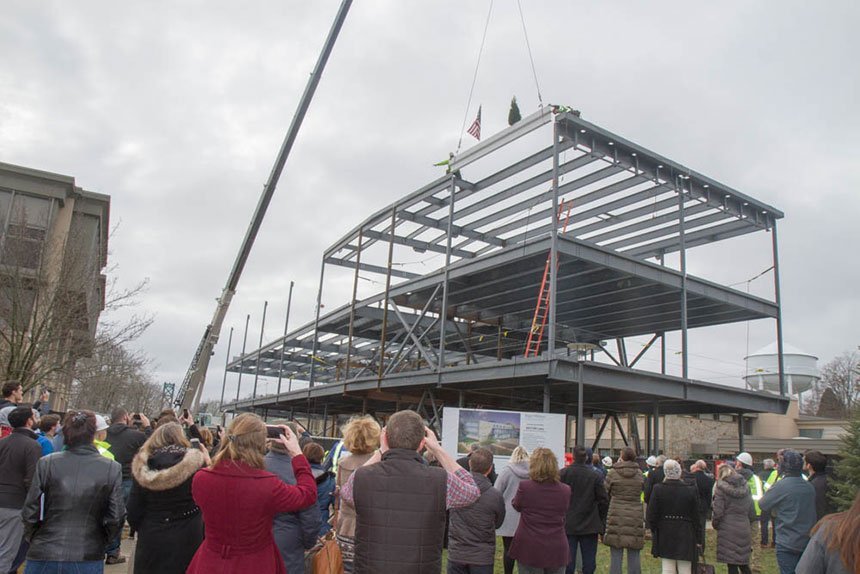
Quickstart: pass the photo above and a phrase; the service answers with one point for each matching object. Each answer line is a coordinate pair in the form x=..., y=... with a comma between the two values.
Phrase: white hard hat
x=651, y=460
x=101, y=423
x=607, y=461
x=745, y=458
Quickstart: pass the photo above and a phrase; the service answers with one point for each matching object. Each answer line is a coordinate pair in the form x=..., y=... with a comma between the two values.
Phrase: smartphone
x=186, y=414
x=195, y=443
x=273, y=432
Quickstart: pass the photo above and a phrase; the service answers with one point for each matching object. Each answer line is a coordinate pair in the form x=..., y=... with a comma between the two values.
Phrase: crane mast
x=192, y=385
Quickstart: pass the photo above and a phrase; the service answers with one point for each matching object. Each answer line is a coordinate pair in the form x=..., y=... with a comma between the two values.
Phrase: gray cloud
x=177, y=110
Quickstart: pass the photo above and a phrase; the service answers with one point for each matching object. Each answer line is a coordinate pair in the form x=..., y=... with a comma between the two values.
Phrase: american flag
x=475, y=129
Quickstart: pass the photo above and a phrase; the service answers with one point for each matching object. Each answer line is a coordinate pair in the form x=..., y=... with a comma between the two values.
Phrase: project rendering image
x=496, y=430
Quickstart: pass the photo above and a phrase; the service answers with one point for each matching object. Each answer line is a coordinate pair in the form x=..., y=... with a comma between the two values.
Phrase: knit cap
x=792, y=462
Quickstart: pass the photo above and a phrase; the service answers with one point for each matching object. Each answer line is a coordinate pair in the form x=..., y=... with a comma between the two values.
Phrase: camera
x=136, y=416
x=274, y=432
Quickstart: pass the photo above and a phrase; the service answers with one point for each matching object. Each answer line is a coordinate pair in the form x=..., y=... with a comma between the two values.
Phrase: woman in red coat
x=239, y=500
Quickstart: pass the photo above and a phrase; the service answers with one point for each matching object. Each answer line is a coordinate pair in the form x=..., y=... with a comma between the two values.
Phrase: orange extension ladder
x=542, y=306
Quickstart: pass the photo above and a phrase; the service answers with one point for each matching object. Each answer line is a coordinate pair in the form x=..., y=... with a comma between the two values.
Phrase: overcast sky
x=177, y=110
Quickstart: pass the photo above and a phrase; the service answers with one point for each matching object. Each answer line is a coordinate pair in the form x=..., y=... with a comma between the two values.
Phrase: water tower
x=762, y=373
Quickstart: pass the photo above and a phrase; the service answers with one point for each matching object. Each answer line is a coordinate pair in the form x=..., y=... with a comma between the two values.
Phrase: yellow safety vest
x=771, y=479
x=103, y=448
x=642, y=494
x=757, y=490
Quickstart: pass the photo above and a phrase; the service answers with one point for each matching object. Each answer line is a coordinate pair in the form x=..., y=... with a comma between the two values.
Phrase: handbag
x=325, y=557
x=703, y=567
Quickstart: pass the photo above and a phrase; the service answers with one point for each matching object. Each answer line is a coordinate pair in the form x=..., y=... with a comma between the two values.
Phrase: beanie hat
x=672, y=469
x=792, y=462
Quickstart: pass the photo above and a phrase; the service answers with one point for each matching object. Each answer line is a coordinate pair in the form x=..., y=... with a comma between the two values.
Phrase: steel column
x=315, y=344
x=242, y=359
x=778, y=301
x=656, y=428
x=580, y=412
x=352, y=305
x=284, y=341
x=259, y=351
x=383, y=333
x=683, y=253
x=224, y=382
x=443, y=315
x=741, y=432
x=546, y=397
x=648, y=441
x=553, y=266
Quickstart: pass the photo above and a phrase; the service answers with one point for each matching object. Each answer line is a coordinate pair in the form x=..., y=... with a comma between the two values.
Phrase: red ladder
x=542, y=306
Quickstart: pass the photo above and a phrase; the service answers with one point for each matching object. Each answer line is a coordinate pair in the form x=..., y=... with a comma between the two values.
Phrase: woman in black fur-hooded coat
x=160, y=508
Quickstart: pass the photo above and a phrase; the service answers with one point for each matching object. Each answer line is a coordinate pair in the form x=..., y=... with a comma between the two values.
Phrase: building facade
x=53, y=252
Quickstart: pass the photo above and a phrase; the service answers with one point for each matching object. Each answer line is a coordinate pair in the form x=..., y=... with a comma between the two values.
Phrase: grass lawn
x=651, y=565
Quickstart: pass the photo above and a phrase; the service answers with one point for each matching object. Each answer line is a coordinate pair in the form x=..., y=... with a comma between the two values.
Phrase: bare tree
x=840, y=384
x=52, y=293
x=115, y=377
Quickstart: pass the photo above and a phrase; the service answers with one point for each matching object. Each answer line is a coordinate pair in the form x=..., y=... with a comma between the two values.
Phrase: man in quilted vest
x=400, y=501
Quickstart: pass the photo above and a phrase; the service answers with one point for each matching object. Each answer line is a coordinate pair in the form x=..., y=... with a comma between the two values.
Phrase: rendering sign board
x=501, y=432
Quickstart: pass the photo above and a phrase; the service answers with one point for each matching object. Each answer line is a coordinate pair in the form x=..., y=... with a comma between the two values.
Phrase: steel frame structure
x=493, y=234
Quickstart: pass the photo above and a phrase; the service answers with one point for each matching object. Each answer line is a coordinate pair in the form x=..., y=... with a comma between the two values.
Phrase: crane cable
x=529, y=49
x=475, y=77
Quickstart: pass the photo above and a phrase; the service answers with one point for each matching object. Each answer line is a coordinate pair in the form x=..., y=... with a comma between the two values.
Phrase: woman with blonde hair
x=361, y=439
x=540, y=544
x=239, y=500
x=160, y=507
x=508, y=483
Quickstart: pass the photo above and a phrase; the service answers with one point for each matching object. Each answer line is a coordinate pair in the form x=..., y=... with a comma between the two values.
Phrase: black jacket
x=588, y=500
x=655, y=476
x=673, y=517
x=124, y=441
x=704, y=484
x=400, y=515
x=822, y=504
x=472, y=529
x=83, y=506
x=294, y=532
x=160, y=507
x=19, y=453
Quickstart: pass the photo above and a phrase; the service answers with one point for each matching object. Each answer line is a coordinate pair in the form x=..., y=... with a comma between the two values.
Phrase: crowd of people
x=256, y=498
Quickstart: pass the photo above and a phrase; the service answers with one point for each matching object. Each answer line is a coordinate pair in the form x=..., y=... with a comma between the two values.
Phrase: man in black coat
x=815, y=464
x=586, y=515
x=19, y=453
x=124, y=441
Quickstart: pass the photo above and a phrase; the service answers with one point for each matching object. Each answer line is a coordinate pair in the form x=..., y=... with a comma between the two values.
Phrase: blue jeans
x=48, y=567
x=787, y=559
x=112, y=548
x=587, y=545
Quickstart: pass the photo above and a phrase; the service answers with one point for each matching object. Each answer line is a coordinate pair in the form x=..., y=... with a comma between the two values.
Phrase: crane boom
x=192, y=386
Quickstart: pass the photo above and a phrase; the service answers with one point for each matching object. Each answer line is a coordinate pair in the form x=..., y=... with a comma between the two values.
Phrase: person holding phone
x=239, y=500
x=400, y=501
x=160, y=507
